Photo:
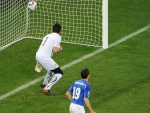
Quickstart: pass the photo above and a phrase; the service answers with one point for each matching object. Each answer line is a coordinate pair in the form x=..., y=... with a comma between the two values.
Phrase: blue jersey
x=80, y=89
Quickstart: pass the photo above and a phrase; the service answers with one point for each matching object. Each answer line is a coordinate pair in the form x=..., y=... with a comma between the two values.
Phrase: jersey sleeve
x=57, y=42
x=87, y=91
x=71, y=89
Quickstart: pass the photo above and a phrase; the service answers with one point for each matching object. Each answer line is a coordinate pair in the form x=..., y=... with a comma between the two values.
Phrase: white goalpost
x=105, y=24
x=83, y=22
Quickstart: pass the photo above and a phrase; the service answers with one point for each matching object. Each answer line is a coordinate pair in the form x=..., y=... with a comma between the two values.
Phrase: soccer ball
x=32, y=5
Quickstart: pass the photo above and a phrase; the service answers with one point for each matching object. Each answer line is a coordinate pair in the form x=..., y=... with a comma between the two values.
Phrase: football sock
x=53, y=81
x=47, y=77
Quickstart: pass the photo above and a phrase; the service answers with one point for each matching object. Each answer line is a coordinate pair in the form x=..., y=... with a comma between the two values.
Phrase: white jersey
x=49, y=42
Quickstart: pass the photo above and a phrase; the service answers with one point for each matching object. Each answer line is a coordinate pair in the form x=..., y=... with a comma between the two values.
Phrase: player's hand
x=92, y=112
x=60, y=48
x=38, y=67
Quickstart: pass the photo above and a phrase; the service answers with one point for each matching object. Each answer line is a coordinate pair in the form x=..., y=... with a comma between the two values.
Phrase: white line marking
x=76, y=61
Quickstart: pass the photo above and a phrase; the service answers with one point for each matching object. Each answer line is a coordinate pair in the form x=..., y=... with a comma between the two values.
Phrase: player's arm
x=87, y=103
x=86, y=98
x=68, y=95
x=57, y=49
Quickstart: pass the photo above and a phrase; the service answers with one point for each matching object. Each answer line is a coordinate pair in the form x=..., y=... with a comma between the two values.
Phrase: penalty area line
x=76, y=61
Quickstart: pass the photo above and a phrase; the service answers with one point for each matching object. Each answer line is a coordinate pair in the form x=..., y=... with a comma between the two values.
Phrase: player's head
x=85, y=73
x=56, y=28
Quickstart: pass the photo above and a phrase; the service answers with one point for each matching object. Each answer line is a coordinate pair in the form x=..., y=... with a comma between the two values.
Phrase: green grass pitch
x=120, y=76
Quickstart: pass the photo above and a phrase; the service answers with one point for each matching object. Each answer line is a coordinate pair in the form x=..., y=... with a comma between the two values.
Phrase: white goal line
x=76, y=61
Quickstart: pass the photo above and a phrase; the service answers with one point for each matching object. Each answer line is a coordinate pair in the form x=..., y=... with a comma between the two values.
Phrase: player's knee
x=60, y=71
x=57, y=70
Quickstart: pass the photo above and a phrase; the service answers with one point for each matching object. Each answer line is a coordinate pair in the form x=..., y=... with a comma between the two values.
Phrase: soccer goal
x=83, y=22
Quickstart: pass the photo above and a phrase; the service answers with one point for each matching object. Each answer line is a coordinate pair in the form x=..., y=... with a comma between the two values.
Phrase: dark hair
x=56, y=28
x=84, y=73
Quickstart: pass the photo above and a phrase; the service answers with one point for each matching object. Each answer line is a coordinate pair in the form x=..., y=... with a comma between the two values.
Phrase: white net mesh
x=12, y=21
x=81, y=20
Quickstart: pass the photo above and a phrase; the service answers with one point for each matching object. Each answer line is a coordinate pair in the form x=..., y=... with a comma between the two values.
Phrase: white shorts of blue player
x=75, y=108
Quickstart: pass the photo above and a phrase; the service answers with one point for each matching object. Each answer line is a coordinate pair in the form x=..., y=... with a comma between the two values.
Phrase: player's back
x=81, y=90
x=48, y=42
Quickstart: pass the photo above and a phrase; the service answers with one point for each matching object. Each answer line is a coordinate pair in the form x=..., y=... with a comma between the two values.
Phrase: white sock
x=53, y=81
x=47, y=77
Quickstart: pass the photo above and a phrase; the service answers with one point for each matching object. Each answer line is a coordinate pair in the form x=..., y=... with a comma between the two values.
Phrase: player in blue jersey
x=79, y=93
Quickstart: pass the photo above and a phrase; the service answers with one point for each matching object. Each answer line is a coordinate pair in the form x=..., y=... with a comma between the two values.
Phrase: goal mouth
x=81, y=21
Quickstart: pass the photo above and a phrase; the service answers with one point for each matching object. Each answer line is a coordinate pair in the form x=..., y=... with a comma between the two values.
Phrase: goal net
x=12, y=21
x=83, y=21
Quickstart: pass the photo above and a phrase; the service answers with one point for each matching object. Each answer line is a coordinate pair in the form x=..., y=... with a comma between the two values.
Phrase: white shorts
x=47, y=62
x=74, y=108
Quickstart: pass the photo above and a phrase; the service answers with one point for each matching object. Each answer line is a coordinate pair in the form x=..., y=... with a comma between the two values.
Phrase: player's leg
x=48, y=64
x=46, y=79
x=57, y=75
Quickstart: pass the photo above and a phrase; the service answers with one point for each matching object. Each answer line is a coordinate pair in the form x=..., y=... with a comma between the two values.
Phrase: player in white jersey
x=50, y=44
x=79, y=93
